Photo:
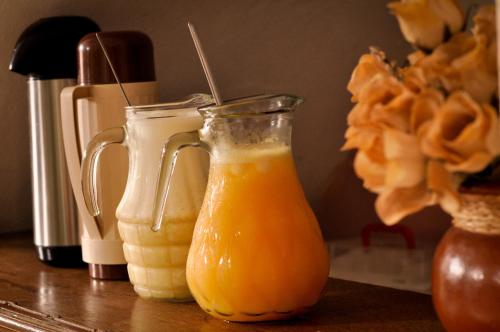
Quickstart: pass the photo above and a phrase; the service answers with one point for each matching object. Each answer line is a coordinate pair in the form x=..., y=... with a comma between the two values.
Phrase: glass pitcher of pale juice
x=257, y=251
x=156, y=260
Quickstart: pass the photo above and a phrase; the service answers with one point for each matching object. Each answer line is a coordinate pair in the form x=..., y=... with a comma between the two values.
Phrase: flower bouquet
x=425, y=134
x=427, y=128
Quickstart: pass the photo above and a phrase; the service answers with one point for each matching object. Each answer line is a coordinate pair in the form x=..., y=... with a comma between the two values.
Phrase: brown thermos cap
x=131, y=53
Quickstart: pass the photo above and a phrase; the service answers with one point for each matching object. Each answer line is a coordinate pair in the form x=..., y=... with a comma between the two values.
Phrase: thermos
x=96, y=103
x=46, y=53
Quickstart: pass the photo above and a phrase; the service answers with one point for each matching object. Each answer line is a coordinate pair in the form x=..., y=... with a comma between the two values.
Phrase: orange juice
x=257, y=251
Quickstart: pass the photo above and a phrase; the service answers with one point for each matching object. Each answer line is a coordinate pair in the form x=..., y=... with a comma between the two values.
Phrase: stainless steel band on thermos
x=54, y=211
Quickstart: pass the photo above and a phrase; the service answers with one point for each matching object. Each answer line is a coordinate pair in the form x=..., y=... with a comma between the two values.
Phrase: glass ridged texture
x=257, y=251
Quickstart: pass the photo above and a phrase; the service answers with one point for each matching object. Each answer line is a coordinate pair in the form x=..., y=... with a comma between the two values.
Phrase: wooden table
x=113, y=306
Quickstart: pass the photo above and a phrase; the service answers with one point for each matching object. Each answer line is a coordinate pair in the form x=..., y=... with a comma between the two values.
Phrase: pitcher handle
x=90, y=160
x=169, y=156
x=71, y=141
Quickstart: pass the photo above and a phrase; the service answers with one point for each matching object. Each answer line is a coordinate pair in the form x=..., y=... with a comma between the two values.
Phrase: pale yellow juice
x=157, y=260
x=257, y=251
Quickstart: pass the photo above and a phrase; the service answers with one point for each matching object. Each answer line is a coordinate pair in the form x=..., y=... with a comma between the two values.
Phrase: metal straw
x=112, y=69
x=204, y=64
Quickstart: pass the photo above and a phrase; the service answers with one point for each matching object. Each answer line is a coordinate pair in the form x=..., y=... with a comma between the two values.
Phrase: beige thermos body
x=96, y=103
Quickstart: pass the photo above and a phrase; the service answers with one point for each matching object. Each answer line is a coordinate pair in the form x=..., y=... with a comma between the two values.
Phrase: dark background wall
x=308, y=48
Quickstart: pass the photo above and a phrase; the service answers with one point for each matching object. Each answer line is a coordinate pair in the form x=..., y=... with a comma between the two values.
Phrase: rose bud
x=427, y=23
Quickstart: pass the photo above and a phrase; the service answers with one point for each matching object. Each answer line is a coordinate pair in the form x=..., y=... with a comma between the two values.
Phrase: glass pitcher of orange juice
x=257, y=251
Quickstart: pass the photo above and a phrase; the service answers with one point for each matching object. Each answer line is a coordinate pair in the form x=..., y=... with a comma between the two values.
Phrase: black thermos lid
x=47, y=49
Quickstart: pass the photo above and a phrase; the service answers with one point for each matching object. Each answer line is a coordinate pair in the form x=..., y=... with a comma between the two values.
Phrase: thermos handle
x=69, y=97
x=169, y=156
x=90, y=161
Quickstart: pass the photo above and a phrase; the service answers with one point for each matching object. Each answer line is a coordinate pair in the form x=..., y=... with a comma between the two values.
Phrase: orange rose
x=383, y=103
x=369, y=66
x=425, y=23
x=463, y=134
x=439, y=187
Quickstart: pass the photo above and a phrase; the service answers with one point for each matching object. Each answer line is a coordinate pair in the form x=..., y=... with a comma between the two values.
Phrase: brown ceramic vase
x=466, y=268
